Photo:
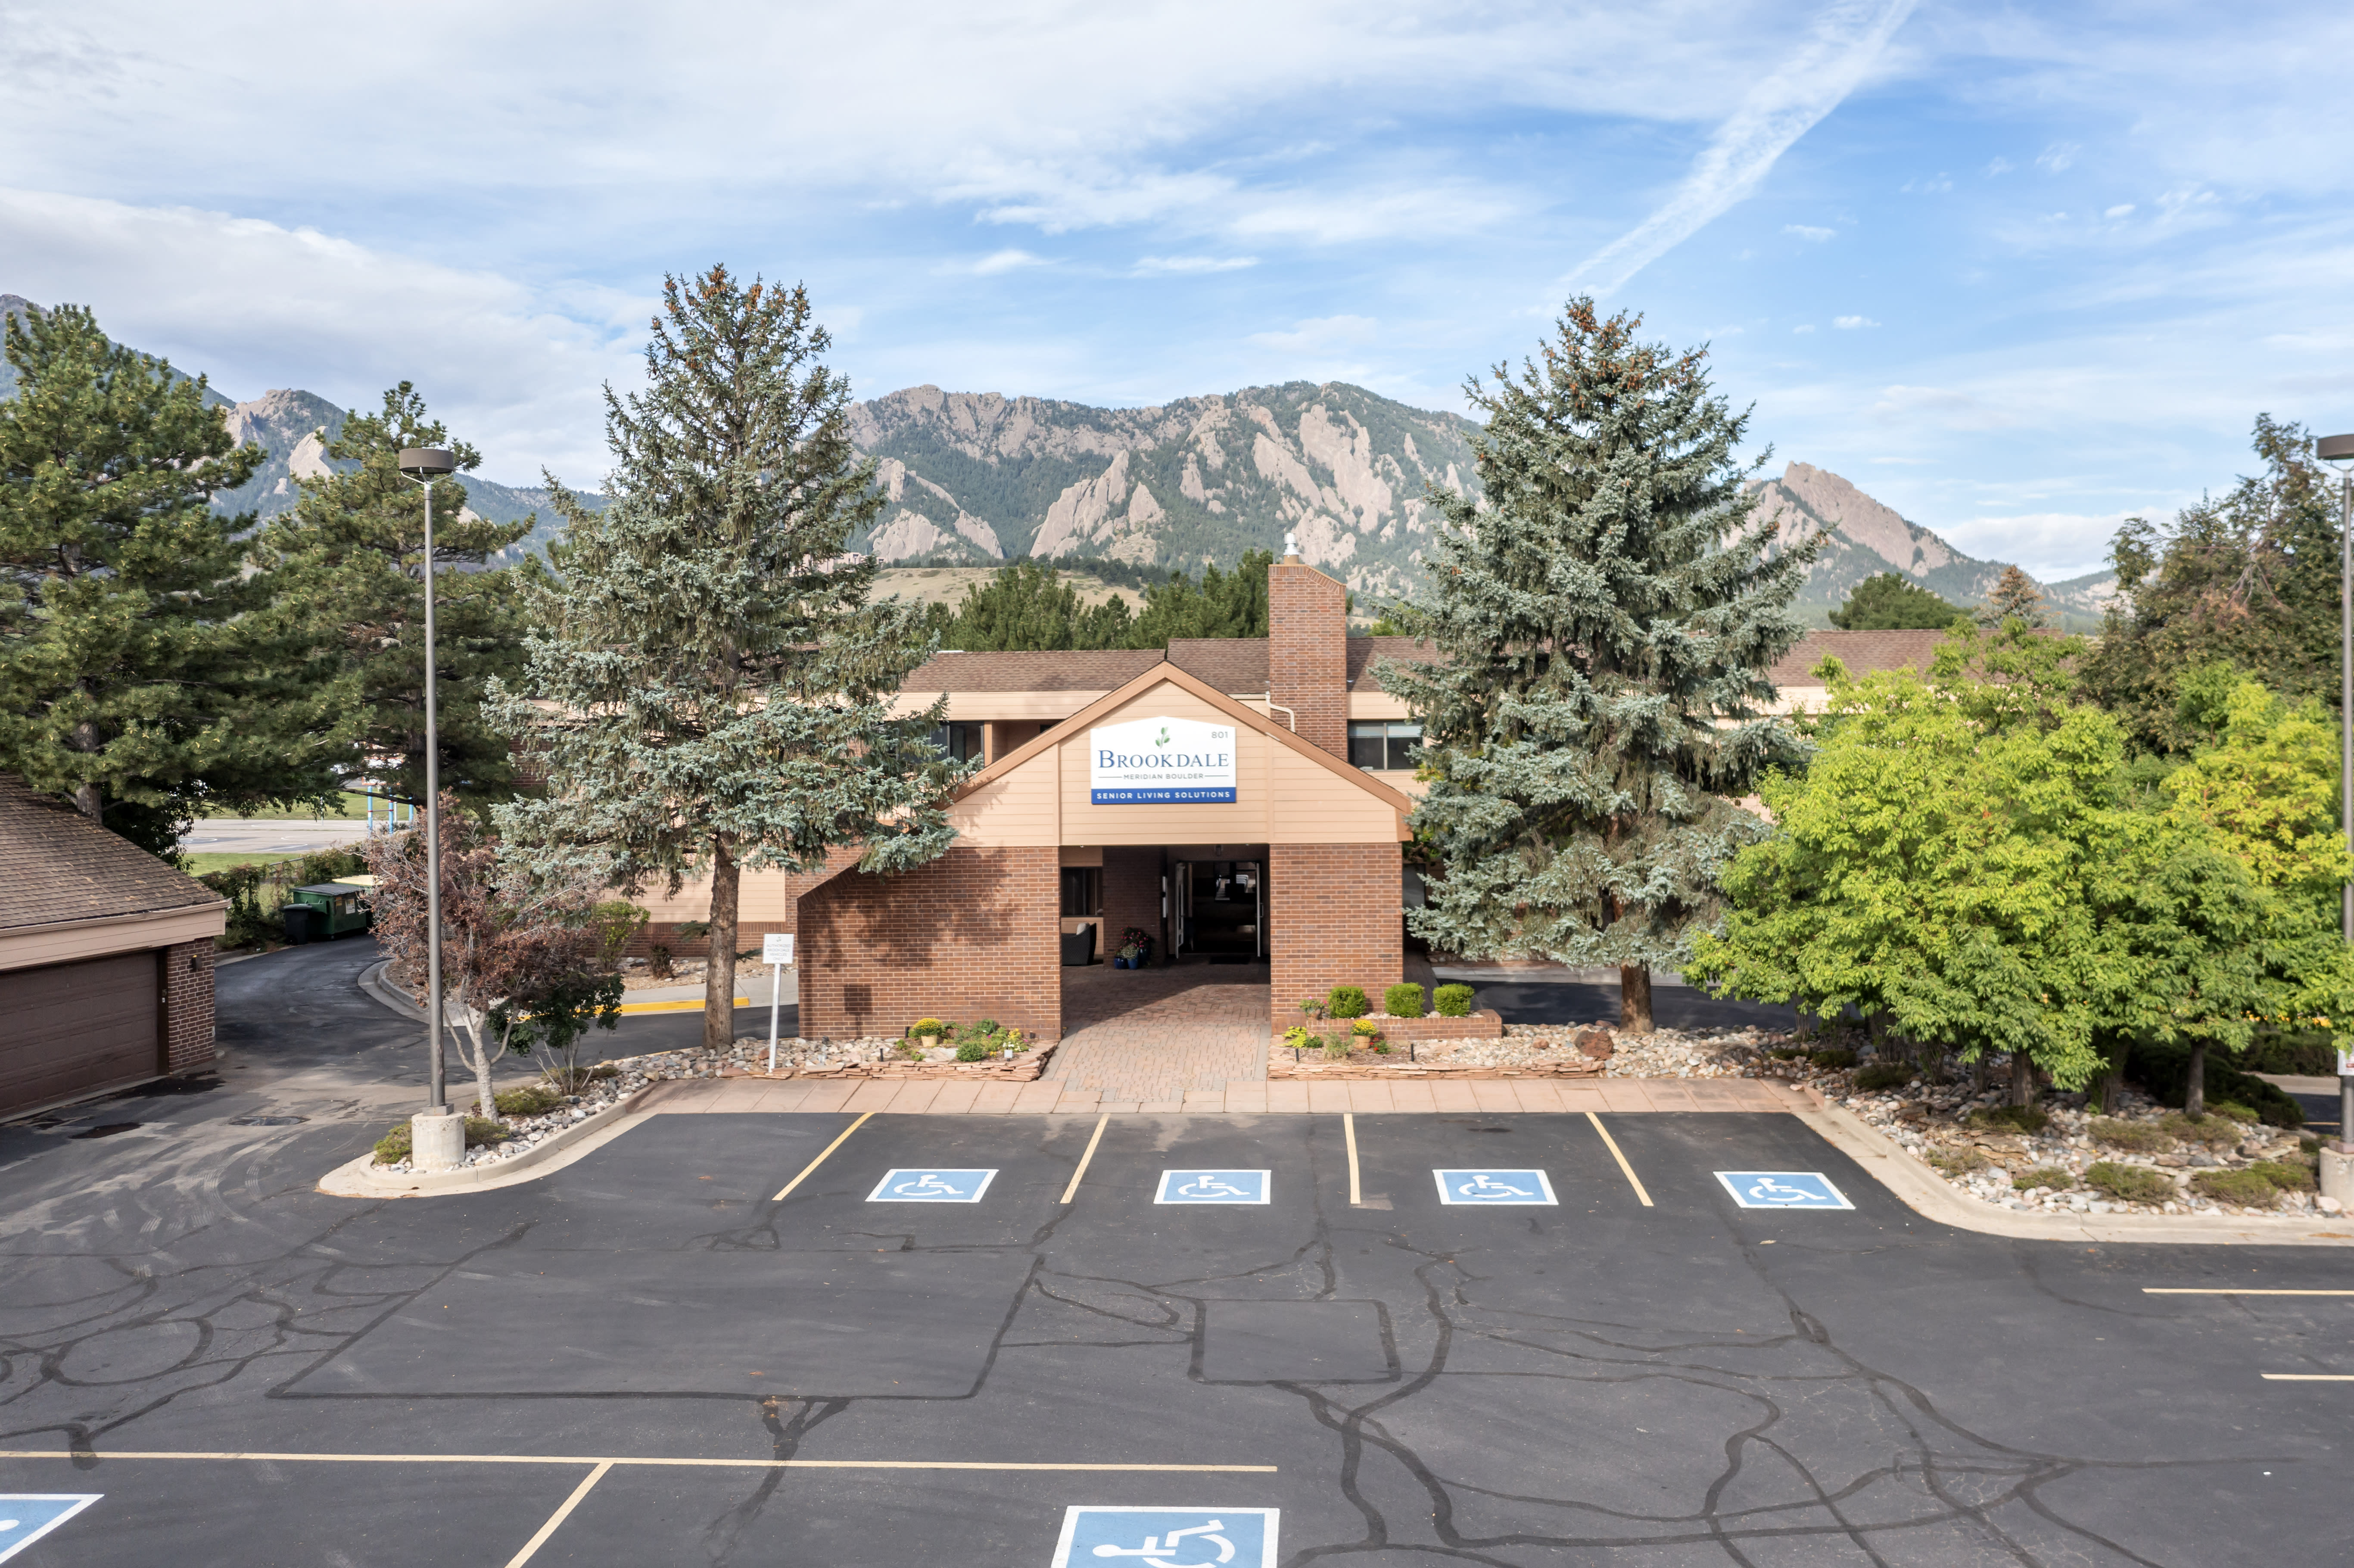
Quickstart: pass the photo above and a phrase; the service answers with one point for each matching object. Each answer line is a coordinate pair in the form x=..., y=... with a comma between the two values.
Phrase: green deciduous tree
x=1606, y=618
x=706, y=681
x=351, y=555
x=135, y=676
x=1885, y=601
x=2247, y=578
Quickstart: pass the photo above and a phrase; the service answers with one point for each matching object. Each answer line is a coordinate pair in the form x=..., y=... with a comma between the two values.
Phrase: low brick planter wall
x=1365, y=1065
x=1023, y=1069
x=1487, y=1024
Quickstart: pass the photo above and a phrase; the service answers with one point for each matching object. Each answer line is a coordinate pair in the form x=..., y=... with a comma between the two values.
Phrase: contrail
x=1846, y=42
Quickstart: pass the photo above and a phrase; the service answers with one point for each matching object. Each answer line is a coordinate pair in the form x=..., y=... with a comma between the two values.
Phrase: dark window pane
x=1366, y=745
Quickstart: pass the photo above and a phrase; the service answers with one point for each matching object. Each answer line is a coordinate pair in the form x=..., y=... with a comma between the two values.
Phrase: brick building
x=106, y=957
x=1241, y=801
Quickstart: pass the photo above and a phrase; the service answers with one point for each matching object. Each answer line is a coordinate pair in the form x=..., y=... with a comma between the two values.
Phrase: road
x=647, y=1357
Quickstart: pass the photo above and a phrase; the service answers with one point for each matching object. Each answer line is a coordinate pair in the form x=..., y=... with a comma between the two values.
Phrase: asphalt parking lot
x=648, y=1357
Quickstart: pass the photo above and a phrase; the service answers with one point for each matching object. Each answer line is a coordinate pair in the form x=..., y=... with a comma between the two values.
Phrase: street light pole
x=2338, y=451
x=437, y=1138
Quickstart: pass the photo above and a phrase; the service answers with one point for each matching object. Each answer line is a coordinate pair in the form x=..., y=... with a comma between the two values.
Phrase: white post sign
x=1160, y=761
x=777, y=952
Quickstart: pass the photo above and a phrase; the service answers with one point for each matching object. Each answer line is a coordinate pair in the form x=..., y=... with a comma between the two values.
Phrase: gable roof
x=1864, y=653
x=57, y=867
x=1248, y=719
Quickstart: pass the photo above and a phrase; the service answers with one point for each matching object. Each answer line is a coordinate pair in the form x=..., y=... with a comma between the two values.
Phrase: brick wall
x=1132, y=896
x=188, y=1005
x=1308, y=654
x=1334, y=919
x=976, y=934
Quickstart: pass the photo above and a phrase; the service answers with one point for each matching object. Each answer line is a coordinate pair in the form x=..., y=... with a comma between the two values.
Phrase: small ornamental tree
x=708, y=685
x=1606, y=617
x=523, y=963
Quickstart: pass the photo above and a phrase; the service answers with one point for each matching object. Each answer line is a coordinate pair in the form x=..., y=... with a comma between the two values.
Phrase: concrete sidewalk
x=1503, y=1096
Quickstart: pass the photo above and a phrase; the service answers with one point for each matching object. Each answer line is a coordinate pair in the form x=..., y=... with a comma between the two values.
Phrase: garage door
x=67, y=1028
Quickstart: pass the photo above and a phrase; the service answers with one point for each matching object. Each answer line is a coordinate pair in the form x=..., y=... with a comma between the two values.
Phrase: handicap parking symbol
x=1168, y=1537
x=920, y=1186
x=26, y=1517
x=1783, y=1190
x=1213, y=1187
x=1493, y=1187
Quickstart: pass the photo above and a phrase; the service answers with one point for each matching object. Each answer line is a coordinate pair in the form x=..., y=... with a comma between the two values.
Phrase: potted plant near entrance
x=1135, y=948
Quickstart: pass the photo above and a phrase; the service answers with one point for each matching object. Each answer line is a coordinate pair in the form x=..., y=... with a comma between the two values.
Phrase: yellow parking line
x=788, y=1188
x=2309, y=1377
x=2233, y=1291
x=602, y=1464
x=1072, y=1191
x=558, y=1517
x=1632, y=1180
x=674, y=1006
x=1348, y=1131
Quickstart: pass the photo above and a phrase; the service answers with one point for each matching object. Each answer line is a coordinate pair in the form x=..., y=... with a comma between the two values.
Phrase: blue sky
x=2019, y=271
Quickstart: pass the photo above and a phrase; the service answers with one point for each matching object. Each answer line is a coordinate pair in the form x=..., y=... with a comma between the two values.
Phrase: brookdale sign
x=1159, y=761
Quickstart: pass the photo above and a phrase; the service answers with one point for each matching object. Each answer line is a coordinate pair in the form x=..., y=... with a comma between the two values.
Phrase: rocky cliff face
x=977, y=477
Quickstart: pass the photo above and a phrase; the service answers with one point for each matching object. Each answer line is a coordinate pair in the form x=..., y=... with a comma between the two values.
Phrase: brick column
x=1308, y=652
x=188, y=1005
x=1334, y=916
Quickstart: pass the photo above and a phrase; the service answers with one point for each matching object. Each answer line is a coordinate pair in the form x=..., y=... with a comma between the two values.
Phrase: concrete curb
x=358, y=1178
x=371, y=982
x=1926, y=1195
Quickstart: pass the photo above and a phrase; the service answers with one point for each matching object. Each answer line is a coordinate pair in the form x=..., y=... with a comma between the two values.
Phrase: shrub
x=2128, y=1183
x=1312, y=1007
x=604, y=1070
x=2237, y=1112
x=2300, y=1056
x=1336, y=1046
x=972, y=1051
x=1958, y=1161
x=1785, y=1053
x=986, y=1027
x=2165, y=1072
x=1832, y=1059
x=2058, y=1178
x=658, y=962
x=2248, y=1189
x=1298, y=1039
x=1347, y=1002
x=2134, y=1136
x=2284, y=1175
x=530, y=1100
x=1882, y=1075
x=1381, y=1046
x=1404, y=1000
x=1453, y=1000
x=930, y=1026
x=2215, y=1131
x=395, y=1146
x=2016, y=1118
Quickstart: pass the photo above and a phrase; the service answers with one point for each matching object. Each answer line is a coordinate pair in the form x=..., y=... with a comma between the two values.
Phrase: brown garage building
x=106, y=957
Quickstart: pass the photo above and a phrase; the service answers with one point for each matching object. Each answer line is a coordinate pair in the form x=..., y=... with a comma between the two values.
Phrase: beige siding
x=761, y=896
x=1244, y=822
x=1018, y=809
x=972, y=707
x=97, y=938
x=1309, y=805
x=1369, y=702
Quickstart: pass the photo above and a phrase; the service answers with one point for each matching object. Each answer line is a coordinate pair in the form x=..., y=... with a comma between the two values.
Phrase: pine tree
x=1606, y=620
x=135, y=676
x=706, y=681
x=2015, y=598
x=1885, y=601
x=351, y=556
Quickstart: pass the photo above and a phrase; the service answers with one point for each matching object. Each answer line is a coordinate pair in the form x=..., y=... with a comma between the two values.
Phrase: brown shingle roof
x=56, y=865
x=1364, y=651
x=1864, y=653
x=1099, y=671
x=1232, y=665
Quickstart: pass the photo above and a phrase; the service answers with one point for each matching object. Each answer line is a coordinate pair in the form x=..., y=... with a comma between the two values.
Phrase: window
x=1082, y=892
x=960, y=742
x=1384, y=747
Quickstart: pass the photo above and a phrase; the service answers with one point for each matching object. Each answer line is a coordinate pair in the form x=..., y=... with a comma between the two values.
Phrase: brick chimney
x=1308, y=654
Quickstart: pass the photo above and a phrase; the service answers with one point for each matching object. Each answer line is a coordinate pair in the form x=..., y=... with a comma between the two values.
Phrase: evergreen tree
x=2248, y=579
x=1026, y=607
x=2015, y=598
x=706, y=678
x=1886, y=601
x=133, y=676
x=351, y=556
x=1607, y=620
x=1223, y=604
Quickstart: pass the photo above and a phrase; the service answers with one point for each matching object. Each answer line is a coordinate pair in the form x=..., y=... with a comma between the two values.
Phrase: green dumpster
x=339, y=908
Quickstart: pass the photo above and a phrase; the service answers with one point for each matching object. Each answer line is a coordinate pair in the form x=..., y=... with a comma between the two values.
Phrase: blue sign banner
x=1168, y=1537
x=26, y=1517
x=1162, y=761
x=1213, y=1187
x=1783, y=1190
x=1494, y=1187
x=1183, y=797
x=922, y=1186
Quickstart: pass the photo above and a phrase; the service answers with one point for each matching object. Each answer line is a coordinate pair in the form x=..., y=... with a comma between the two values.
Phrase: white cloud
x=1319, y=335
x=2051, y=546
x=2122, y=209
x=998, y=262
x=1999, y=166
x=1807, y=231
x=2058, y=157
x=1157, y=266
x=1849, y=323
x=1848, y=39
x=1810, y=326
x=1941, y=407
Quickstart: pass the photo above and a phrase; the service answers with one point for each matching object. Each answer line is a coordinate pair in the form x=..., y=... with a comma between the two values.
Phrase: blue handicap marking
x=922, y=1186
x=26, y=1517
x=1168, y=1537
x=1213, y=1187
x=1493, y=1187
x=1783, y=1190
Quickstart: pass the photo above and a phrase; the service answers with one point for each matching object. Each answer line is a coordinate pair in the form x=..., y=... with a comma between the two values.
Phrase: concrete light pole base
x=2337, y=1175
x=437, y=1140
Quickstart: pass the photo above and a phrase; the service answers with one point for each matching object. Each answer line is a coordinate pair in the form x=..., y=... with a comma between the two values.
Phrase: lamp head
x=428, y=462
x=2336, y=450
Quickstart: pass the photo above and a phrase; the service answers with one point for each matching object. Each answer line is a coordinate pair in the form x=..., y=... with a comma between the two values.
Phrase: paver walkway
x=1498, y=1096
x=1154, y=1039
